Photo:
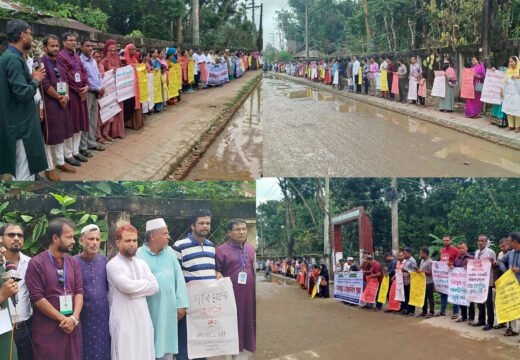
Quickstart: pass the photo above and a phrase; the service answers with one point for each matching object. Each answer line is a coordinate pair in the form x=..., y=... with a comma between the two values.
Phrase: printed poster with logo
x=457, y=286
x=212, y=319
x=440, y=276
x=218, y=74
x=477, y=280
x=108, y=105
x=348, y=287
x=125, y=83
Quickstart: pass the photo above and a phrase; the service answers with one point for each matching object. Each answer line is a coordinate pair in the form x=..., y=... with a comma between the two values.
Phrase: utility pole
x=195, y=15
x=486, y=32
x=395, y=218
x=252, y=7
x=262, y=240
x=326, y=224
x=307, y=29
x=260, y=42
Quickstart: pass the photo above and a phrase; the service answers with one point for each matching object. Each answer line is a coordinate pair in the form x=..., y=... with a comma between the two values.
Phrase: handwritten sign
x=493, y=84
x=511, y=102
x=393, y=304
x=370, y=292
x=125, y=83
x=395, y=84
x=440, y=276
x=348, y=287
x=218, y=74
x=467, y=89
x=108, y=105
x=439, y=84
x=212, y=319
x=417, y=289
x=507, y=300
x=399, y=283
x=412, y=88
x=383, y=289
x=477, y=280
x=457, y=286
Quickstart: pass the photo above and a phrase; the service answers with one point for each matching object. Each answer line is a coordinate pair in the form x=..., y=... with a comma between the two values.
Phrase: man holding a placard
x=483, y=253
x=448, y=254
x=462, y=261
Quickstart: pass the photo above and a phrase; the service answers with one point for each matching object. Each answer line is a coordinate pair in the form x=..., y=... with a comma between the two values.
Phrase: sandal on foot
x=510, y=332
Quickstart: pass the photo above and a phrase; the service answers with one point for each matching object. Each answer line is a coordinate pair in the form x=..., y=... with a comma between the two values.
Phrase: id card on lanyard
x=66, y=307
x=242, y=275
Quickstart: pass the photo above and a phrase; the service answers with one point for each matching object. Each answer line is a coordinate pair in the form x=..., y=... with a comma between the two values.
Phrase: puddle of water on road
x=236, y=154
x=453, y=143
x=277, y=281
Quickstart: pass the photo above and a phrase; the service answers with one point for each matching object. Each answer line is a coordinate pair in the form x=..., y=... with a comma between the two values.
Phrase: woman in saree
x=474, y=106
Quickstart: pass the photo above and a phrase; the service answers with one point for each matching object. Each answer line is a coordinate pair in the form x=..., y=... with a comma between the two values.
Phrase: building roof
x=68, y=23
x=19, y=7
x=313, y=54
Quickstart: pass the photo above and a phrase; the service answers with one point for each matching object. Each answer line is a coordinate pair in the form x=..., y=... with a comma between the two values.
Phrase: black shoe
x=478, y=324
x=86, y=153
x=72, y=161
x=97, y=148
x=487, y=327
x=81, y=158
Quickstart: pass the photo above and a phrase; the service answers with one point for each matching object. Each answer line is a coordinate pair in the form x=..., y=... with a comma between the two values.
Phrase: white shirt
x=23, y=310
x=195, y=57
x=355, y=68
x=131, y=328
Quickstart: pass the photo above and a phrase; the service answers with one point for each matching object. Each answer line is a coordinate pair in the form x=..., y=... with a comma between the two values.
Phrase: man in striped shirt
x=196, y=255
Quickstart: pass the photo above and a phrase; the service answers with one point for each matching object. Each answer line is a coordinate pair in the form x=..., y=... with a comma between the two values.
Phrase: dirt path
x=292, y=326
x=149, y=153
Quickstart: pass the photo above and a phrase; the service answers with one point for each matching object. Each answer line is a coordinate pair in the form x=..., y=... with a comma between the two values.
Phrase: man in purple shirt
x=415, y=70
x=95, y=92
x=462, y=261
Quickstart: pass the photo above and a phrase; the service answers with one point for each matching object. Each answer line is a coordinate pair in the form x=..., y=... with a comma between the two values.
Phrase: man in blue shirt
x=95, y=92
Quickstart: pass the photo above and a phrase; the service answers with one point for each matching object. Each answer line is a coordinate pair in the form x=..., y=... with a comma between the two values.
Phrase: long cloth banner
x=348, y=286
x=212, y=319
x=477, y=280
x=108, y=105
x=417, y=289
x=457, y=286
x=125, y=83
x=239, y=70
x=511, y=103
x=399, y=283
x=439, y=84
x=218, y=74
x=493, y=84
x=370, y=292
x=440, y=276
x=383, y=289
x=507, y=300
x=467, y=89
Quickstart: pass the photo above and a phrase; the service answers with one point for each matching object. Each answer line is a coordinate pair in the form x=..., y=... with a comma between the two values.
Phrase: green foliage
x=136, y=34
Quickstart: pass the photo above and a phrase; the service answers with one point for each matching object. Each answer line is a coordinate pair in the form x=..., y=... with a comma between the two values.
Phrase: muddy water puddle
x=236, y=154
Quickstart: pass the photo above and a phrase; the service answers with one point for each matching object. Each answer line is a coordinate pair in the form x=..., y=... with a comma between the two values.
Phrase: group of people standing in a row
x=376, y=78
x=132, y=306
x=50, y=106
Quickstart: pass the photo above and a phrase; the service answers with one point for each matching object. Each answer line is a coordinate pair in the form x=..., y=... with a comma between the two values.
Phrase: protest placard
x=493, y=84
x=417, y=289
x=173, y=80
x=125, y=83
x=384, y=80
x=477, y=280
x=395, y=84
x=399, y=283
x=191, y=72
x=370, y=292
x=467, y=89
x=217, y=74
x=457, y=286
x=239, y=69
x=142, y=78
x=212, y=319
x=440, y=276
x=348, y=286
x=393, y=304
x=511, y=102
x=157, y=86
x=378, y=81
x=507, y=300
x=412, y=88
x=383, y=289
x=108, y=105
x=439, y=84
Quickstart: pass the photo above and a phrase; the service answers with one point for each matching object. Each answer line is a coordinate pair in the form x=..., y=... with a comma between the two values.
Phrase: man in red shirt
x=449, y=254
x=375, y=272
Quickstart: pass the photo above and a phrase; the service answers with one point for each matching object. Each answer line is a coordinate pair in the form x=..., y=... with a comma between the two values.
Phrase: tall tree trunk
x=411, y=25
x=180, y=38
x=369, y=33
x=195, y=22
x=387, y=31
x=486, y=30
x=393, y=30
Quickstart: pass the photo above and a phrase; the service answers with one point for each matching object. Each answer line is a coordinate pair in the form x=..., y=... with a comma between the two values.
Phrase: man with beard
x=77, y=82
x=22, y=152
x=94, y=325
x=13, y=238
x=56, y=120
x=56, y=292
x=130, y=282
x=197, y=257
x=235, y=259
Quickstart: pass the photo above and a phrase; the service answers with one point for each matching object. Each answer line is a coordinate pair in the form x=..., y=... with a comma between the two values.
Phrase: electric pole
x=395, y=218
x=307, y=29
x=326, y=224
x=195, y=15
x=260, y=40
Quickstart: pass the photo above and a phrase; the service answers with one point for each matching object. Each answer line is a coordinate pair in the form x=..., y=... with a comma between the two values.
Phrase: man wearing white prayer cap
x=96, y=310
x=167, y=306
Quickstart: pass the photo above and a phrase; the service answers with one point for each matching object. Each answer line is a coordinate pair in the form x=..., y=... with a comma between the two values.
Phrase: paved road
x=291, y=326
x=309, y=132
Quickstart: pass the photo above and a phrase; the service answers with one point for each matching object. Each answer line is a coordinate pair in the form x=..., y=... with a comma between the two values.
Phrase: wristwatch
x=76, y=321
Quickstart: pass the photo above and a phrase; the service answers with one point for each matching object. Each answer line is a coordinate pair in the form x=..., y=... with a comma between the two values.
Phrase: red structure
x=364, y=226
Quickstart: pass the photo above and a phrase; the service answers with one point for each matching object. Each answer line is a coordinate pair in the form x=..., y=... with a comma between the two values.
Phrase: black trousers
x=22, y=339
x=487, y=307
x=340, y=82
x=402, y=84
x=365, y=84
x=428, y=300
x=358, y=87
x=421, y=100
x=390, y=81
x=464, y=312
x=407, y=308
x=197, y=79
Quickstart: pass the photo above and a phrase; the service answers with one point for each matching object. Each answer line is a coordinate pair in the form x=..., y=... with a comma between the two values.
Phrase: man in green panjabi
x=22, y=151
x=7, y=289
x=169, y=304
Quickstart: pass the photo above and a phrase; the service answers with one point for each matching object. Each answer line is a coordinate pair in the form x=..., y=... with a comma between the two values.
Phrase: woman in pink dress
x=421, y=93
x=474, y=106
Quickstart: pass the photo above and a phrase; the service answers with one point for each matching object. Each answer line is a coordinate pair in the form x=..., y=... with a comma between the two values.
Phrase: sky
x=270, y=6
x=267, y=189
